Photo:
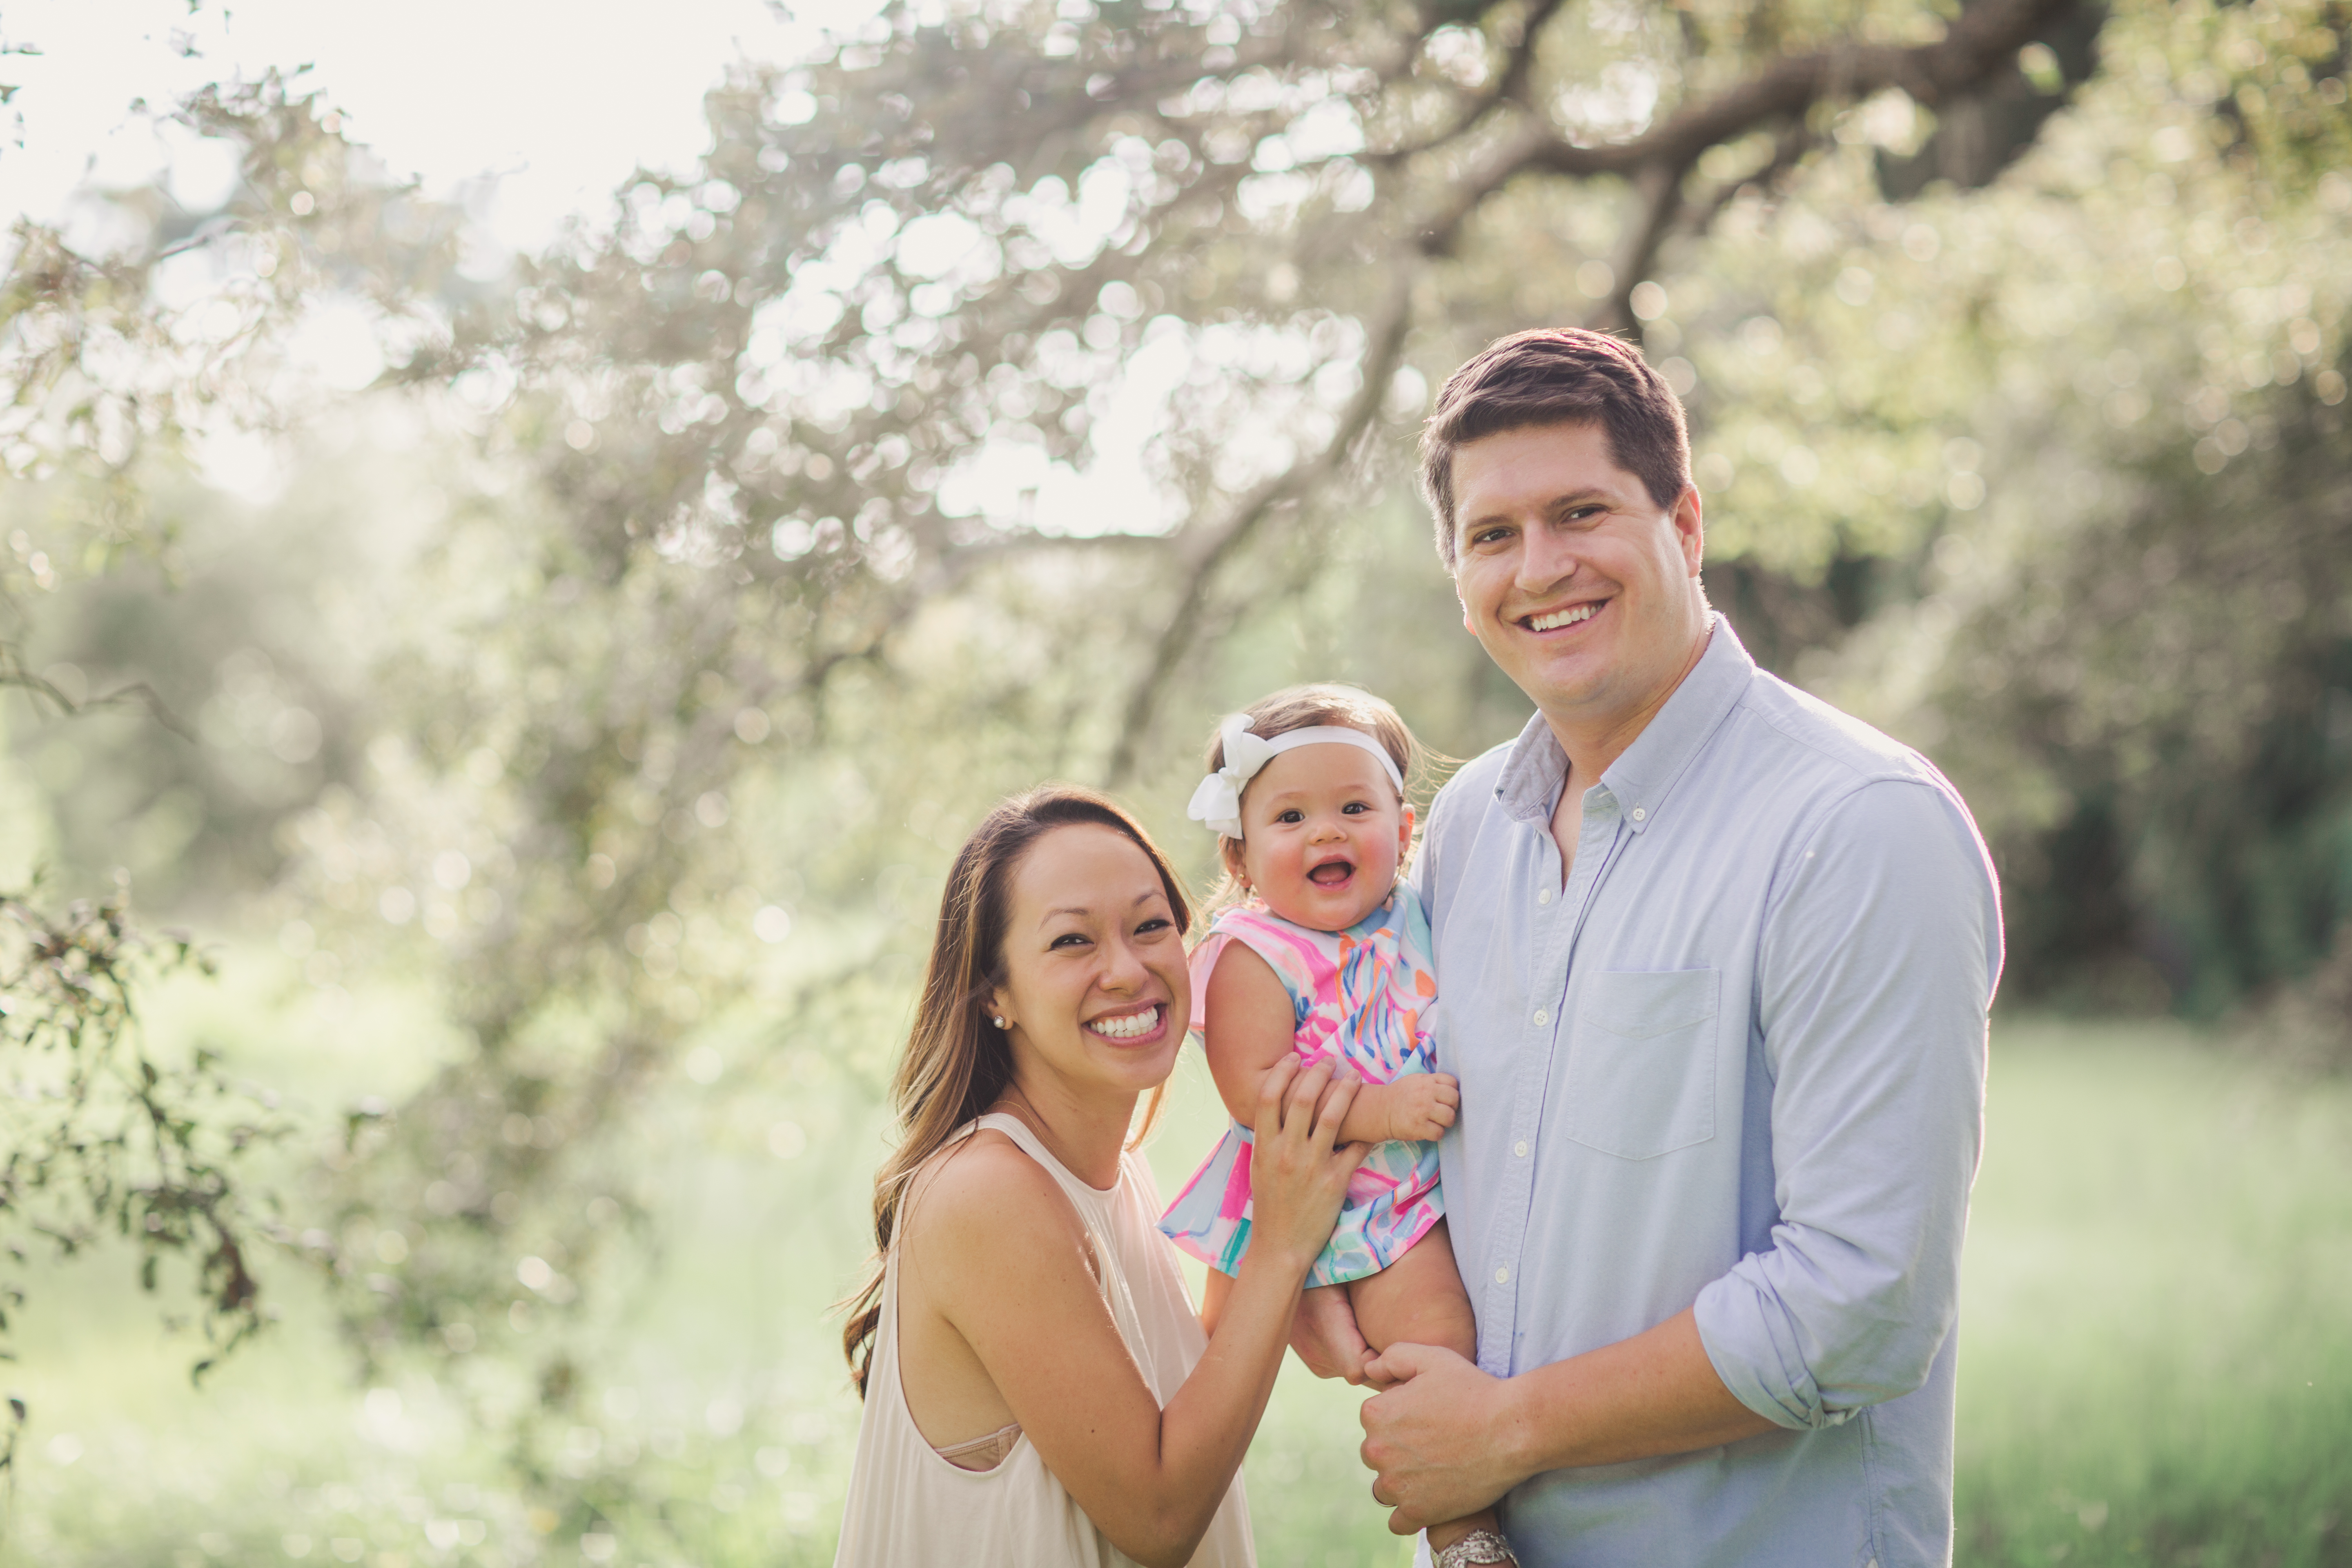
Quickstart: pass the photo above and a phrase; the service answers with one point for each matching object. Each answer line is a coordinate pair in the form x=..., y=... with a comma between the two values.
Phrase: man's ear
x=1690, y=528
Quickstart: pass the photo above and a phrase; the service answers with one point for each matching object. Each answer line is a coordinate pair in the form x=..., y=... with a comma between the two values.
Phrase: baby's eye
x=1356, y=807
x=1292, y=815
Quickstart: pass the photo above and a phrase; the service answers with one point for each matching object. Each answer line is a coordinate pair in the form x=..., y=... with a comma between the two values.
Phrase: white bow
x=1218, y=800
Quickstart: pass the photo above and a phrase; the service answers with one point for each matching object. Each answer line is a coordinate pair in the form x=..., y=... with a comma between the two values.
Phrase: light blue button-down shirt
x=1737, y=1061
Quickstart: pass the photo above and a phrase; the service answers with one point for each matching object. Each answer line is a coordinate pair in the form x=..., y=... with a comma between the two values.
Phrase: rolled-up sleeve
x=1880, y=952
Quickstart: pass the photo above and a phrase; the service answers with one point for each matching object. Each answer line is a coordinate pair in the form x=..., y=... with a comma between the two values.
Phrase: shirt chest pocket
x=1640, y=1063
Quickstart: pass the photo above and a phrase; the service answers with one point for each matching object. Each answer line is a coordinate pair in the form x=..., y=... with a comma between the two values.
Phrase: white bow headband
x=1218, y=800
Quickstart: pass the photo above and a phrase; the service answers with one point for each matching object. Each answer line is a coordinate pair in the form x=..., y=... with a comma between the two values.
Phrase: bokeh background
x=495, y=672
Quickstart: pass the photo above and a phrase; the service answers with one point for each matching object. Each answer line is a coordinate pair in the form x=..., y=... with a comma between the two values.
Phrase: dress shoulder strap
x=1089, y=1199
x=1303, y=959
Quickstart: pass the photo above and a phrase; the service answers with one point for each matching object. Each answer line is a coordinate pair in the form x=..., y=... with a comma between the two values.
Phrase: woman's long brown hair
x=957, y=1062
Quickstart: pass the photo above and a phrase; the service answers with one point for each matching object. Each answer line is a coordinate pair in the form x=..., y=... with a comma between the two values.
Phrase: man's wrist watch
x=1478, y=1546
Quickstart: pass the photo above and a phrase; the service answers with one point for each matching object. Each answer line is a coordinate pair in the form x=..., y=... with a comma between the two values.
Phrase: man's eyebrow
x=1576, y=497
x=1557, y=503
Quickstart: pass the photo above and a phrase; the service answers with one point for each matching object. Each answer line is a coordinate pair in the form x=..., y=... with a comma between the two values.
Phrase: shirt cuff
x=1753, y=1346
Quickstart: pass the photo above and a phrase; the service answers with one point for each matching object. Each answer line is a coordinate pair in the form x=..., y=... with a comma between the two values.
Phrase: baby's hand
x=1421, y=1105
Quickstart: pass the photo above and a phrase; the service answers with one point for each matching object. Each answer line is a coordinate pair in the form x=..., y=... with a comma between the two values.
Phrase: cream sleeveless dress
x=908, y=1508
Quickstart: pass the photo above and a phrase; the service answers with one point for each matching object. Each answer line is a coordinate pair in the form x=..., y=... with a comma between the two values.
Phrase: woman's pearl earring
x=1000, y=1020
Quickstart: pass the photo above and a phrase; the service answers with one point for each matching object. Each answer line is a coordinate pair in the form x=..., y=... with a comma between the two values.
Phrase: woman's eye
x=1156, y=923
x=1068, y=938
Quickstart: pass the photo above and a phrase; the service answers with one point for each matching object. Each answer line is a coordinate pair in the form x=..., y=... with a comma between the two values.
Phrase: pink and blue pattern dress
x=1368, y=995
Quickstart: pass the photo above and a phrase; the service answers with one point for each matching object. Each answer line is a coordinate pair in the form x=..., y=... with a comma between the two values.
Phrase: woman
x=1037, y=1388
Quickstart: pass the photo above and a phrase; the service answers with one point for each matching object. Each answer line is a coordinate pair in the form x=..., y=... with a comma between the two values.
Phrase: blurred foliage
x=2137, y=656
x=102, y=1139
x=1016, y=387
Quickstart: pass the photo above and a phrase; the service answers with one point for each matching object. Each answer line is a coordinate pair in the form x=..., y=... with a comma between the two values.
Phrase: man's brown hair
x=1557, y=376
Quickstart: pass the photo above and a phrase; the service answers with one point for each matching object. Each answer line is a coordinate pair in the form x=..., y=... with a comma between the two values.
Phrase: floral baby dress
x=1366, y=993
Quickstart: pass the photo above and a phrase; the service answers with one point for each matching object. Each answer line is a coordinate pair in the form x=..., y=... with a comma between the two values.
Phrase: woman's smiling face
x=1323, y=834
x=1096, y=992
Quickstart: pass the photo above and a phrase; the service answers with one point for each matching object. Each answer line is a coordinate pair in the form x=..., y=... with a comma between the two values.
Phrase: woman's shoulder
x=985, y=1192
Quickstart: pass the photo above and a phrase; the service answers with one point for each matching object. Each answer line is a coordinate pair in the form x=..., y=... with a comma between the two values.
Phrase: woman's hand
x=1298, y=1166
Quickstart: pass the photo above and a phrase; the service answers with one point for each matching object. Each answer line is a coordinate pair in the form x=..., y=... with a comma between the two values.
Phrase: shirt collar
x=1532, y=773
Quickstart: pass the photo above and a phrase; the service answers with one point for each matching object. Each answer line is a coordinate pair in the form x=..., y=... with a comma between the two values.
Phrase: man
x=1715, y=961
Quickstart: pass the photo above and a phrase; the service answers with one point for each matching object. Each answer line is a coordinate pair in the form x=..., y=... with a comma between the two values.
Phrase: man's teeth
x=1131, y=1026
x=1567, y=617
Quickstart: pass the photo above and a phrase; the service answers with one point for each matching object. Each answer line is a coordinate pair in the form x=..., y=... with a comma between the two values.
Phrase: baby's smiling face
x=1323, y=834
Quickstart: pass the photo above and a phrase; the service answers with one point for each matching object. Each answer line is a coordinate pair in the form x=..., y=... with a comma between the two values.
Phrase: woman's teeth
x=1129, y=1026
x=1559, y=619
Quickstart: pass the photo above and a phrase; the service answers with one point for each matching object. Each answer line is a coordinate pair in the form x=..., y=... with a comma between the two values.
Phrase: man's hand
x=1324, y=1334
x=1438, y=1438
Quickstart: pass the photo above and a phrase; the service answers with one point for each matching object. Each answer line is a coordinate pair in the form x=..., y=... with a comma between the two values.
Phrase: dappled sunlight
x=546, y=627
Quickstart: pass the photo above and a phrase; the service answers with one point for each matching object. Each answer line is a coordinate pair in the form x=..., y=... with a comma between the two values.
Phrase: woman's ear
x=999, y=1008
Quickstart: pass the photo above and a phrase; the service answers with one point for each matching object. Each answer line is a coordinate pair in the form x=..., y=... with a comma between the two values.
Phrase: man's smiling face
x=1580, y=586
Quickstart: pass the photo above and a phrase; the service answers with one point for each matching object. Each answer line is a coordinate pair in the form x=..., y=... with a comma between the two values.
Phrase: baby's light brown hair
x=1306, y=708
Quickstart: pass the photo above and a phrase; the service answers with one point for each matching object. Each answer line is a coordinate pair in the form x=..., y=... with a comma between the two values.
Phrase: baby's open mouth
x=1331, y=873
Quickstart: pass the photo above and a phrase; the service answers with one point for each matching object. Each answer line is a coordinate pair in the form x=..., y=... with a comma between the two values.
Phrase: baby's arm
x=1251, y=1024
x=1249, y=1027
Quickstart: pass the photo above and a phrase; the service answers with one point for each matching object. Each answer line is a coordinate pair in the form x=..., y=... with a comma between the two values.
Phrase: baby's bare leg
x=1419, y=1300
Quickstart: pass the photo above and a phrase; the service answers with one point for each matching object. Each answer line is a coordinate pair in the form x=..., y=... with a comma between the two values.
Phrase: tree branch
x=1660, y=190
x=1383, y=348
x=1509, y=86
x=1657, y=162
x=15, y=672
x=1788, y=152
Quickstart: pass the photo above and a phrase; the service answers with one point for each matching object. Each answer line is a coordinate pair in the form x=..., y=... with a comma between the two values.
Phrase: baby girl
x=1319, y=948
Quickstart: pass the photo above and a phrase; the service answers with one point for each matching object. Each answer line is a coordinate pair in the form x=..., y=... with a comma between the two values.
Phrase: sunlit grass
x=2157, y=1324
x=2156, y=1362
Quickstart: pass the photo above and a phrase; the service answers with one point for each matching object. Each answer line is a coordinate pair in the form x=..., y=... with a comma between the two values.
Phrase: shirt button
x=1544, y=896
x=1520, y=1148
x=1502, y=1277
x=1542, y=1017
x=1639, y=814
